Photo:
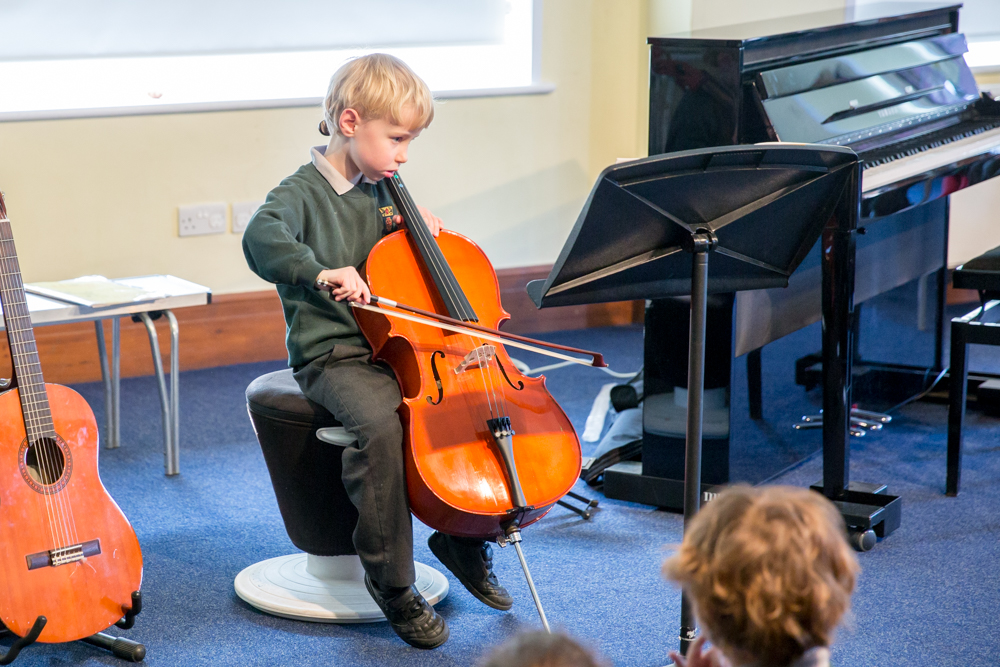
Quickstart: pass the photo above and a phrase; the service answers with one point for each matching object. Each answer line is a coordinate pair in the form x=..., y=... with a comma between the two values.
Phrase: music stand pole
x=701, y=243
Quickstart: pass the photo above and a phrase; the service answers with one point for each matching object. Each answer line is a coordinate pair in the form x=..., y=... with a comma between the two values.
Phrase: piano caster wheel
x=862, y=540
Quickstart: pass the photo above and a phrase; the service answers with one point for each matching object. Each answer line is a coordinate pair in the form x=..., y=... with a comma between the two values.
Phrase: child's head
x=541, y=649
x=378, y=87
x=768, y=570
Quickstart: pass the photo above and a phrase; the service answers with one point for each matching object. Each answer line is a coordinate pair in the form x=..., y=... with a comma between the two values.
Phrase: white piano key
x=927, y=161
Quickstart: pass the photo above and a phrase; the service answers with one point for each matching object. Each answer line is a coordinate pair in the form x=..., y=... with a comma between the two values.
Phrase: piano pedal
x=862, y=421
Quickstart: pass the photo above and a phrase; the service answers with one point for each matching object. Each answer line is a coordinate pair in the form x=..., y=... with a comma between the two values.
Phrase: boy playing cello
x=318, y=226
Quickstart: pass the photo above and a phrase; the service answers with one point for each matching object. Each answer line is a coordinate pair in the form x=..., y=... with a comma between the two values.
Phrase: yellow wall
x=101, y=195
x=713, y=13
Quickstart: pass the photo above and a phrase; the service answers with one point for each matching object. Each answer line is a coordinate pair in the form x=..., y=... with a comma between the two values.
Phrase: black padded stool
x=981, y=274
x=302, y=445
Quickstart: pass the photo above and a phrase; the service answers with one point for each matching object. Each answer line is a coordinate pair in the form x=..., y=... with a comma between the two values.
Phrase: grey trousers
x=363, y=396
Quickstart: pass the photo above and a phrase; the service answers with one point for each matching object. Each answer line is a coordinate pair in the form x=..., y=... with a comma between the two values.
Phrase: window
x=62, y=58
x=979, y=20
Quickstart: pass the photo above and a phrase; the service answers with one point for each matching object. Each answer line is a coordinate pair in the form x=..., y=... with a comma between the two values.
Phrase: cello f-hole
x=437, y=378
x=517, y=387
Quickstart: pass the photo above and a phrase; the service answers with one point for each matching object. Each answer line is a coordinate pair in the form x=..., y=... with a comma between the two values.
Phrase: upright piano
x=893, y=85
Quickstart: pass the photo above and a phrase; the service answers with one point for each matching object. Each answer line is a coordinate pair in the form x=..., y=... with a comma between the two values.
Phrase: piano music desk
x=178, y=293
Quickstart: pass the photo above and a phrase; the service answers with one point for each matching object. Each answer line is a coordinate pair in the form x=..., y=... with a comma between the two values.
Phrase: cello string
x=462, y=307
x=418, y=227
x=440, y=265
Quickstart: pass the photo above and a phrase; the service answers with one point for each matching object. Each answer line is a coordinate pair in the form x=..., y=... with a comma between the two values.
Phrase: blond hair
x=769, y=571
x=378, y=86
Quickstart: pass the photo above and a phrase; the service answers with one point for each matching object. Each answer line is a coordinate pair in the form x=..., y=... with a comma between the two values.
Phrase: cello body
x=452, y=385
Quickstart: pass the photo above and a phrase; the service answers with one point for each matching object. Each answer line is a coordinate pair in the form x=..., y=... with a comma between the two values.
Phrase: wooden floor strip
x=248, y=327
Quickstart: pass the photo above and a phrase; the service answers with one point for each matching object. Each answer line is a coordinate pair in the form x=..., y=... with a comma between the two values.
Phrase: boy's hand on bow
x=698, y=657
x=344, y=283
x=433, y=222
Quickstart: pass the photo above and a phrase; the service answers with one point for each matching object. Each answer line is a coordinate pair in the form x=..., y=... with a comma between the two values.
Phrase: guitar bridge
x=63, y=555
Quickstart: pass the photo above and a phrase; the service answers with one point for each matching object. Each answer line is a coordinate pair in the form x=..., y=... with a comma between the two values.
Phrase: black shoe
x=409, y=615
x=472, y=563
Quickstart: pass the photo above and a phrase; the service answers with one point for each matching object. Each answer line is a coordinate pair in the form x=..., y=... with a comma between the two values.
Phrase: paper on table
x=93, y=292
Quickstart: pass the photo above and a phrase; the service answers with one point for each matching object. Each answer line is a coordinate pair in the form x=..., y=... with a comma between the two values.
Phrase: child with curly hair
x=769, y=574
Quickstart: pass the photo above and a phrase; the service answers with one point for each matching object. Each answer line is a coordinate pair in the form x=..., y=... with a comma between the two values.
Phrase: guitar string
x=35, y=401
x=29, y=430
x=7, y=235
x=43, y=413
x=42, y=435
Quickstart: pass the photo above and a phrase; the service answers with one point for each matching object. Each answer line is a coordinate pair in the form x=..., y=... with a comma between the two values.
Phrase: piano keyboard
x=918, y=160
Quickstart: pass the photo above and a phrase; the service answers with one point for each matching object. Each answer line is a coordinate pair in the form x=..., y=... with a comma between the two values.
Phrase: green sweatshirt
x=302, y=228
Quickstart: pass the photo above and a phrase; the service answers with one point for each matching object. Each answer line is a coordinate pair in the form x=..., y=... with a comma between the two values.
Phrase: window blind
x=47, y=29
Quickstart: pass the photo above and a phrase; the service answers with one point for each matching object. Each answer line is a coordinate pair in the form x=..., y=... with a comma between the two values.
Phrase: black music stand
x=646, y=232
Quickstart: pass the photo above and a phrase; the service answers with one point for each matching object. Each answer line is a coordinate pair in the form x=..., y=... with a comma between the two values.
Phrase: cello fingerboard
x=447, y=285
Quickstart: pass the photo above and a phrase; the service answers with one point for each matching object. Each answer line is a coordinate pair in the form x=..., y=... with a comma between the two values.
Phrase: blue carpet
x=928, y=592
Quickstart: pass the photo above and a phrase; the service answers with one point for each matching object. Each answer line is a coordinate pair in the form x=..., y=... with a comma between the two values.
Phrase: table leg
x=175, y=403
x=154, y=346
x=116, y=381
x=102, y=352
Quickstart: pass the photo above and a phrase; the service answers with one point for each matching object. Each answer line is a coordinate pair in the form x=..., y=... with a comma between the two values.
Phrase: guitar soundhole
x=45, y=464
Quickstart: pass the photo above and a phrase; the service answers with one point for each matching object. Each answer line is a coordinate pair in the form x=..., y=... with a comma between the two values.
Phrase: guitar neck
x=21, y=338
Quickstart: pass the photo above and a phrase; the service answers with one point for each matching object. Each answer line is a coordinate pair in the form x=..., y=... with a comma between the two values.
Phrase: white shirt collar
x=337, y=181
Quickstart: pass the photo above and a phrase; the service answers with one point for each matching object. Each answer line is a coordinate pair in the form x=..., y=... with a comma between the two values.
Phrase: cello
x=70, y=562
x=488, y=451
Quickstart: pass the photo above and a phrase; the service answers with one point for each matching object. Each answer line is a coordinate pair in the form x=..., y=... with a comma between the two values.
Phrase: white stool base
x=322, y=589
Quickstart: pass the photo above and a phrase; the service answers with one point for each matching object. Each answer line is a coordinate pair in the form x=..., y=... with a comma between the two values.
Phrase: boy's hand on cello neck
x=344, y=283
x=433, y=222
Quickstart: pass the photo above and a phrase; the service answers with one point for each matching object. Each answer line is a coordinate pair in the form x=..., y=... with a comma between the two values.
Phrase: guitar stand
x=15, y=649
x=586, y=511
x=126, y=649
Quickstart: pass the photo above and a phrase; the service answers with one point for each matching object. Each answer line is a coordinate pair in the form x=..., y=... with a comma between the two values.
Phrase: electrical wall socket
x=242, y=212
x=201, y=219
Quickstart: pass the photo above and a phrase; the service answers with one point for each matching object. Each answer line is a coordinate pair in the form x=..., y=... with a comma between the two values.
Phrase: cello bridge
x=477, y=358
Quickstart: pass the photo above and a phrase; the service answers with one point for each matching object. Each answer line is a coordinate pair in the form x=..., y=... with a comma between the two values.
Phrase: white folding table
x=178, y=293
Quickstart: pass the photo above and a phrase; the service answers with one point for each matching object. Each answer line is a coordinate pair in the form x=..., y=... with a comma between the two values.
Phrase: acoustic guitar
x=67, y=553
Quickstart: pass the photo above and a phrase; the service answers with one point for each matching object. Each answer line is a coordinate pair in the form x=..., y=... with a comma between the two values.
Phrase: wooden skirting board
x=248, y=327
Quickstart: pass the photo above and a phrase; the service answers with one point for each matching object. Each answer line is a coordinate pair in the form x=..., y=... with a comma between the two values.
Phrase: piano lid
x=794, y=38
x=855, y=96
